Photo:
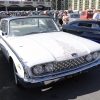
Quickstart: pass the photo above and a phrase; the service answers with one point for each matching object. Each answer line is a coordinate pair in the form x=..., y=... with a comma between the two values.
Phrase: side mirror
x=4, y=33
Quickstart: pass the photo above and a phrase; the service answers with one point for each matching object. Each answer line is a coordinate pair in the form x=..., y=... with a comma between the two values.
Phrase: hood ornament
x=74, y=54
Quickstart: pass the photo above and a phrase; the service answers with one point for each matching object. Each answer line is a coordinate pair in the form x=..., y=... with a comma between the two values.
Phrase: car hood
x=47, y=47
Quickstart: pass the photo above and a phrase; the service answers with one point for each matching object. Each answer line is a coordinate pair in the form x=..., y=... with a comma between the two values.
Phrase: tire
x=15, y=76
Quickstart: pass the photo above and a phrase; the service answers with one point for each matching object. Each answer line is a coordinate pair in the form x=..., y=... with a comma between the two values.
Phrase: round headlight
x=49, y=67
x=89, y=57
x=38, y=69
x=95, y=55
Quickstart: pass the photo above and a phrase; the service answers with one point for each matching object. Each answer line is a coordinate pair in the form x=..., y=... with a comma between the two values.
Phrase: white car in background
x=40, y=52
x=74, y=17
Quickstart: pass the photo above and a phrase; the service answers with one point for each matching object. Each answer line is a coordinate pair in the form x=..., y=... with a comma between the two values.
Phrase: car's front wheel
x=15, y=76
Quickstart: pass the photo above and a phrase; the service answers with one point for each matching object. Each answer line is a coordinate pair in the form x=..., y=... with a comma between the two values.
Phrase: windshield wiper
x=43, y=31
x=48, y=31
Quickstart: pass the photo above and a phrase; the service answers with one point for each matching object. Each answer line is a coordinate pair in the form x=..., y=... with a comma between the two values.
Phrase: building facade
x=24, y=5
x=59, y=4
x=84, y=4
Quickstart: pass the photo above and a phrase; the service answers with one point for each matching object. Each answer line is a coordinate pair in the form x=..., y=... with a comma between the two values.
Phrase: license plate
x=73, y=75
x=50, y=81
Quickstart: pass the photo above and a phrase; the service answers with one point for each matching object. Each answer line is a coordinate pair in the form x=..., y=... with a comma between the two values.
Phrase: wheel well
x=10, y=61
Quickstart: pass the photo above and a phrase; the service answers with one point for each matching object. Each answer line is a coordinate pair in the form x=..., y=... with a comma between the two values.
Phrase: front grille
x=70, y=64
x=65, y=66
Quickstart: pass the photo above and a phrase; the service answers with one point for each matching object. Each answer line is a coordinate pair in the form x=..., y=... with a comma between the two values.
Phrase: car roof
x=86, y=21
x=86, y=10
x=34, y=16
x=73, y=14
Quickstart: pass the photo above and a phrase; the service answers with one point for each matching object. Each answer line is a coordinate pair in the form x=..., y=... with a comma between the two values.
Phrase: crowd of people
x=60, y=16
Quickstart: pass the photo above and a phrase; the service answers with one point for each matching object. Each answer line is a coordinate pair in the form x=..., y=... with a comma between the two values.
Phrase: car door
x=4, y=29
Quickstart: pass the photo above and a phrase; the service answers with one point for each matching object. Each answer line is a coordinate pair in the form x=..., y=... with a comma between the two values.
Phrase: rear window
x=91, y=13
x=75, y=16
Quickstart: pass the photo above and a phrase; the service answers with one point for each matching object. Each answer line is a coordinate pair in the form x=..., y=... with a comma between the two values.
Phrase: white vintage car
x=39, y=52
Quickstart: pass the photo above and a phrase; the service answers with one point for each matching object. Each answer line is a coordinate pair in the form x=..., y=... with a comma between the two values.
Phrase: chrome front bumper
x=36, y=82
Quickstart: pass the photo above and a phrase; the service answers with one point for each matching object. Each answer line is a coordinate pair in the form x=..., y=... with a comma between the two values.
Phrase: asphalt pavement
x=82, y=87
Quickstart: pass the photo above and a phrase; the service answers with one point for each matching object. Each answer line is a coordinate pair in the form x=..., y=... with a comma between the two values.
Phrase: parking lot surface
x=82, y=87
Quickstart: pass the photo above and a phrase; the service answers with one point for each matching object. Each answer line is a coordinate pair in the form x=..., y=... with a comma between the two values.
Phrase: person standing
x=96, y=15
x=59, y=17
x=65, y=18
x=99, y=14
x=44, y=12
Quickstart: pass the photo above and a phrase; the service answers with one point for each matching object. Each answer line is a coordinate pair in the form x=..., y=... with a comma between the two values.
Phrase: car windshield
x=26, y=26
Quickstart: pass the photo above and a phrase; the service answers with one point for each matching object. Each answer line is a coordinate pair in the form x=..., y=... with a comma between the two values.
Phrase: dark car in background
x=89, y=29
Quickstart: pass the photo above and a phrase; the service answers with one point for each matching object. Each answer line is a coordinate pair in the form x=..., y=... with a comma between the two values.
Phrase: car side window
x=83, y=13
x=4, y=26
x=95, y=26
x=85, y=25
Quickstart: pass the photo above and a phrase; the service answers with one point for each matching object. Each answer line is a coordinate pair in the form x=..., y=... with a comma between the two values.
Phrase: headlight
x=38, y=69
x=49, y=67
x=95, y=55
x=89, y=57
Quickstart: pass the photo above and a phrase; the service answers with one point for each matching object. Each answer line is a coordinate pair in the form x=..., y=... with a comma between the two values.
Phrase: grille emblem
x=74, y=54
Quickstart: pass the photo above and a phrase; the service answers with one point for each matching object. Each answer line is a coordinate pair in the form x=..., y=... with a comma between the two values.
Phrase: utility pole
x=64, y=4
x=51, y=3
x=56, y=4
x=5, y=6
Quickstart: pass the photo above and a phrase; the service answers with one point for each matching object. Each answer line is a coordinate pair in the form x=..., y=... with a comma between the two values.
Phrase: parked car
x=86, y=14
x=4, y=16
x=39, y=52
x=74, y=17
x=89, y=29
